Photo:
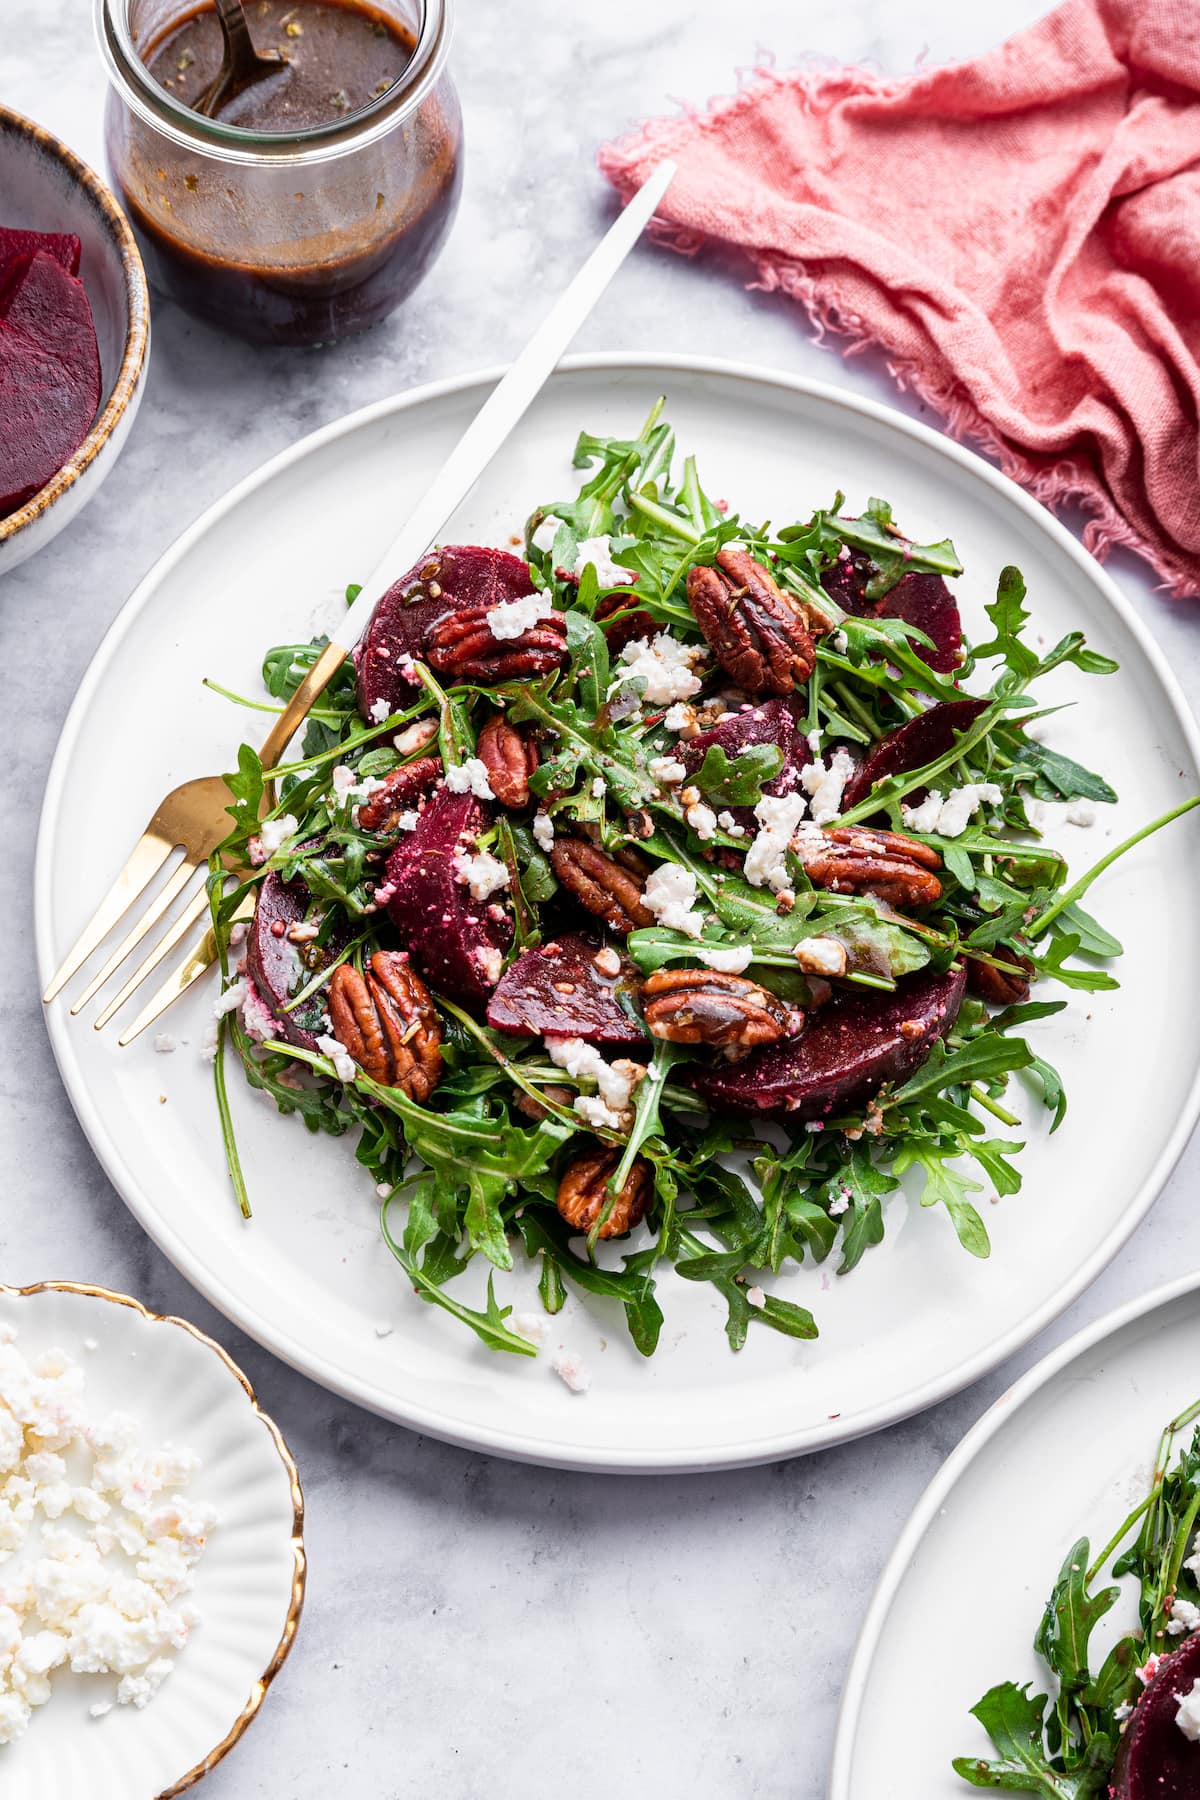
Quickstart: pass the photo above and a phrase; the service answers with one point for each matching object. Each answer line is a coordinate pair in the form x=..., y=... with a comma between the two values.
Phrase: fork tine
x=182, y=977
x=179, y=930
x=153, y=913
x=149, y=854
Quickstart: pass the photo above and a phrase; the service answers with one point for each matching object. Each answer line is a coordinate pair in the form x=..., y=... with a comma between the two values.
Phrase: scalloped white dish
x=182, y=1389
x=310, y=1276
x=1064, y=1454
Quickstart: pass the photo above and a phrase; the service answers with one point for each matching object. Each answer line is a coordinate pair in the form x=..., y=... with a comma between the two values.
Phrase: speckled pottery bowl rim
x=137, y=321
x=287, y=1637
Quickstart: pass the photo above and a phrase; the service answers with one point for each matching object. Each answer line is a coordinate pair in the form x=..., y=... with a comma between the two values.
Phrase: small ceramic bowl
x=182, y=1389
x=45, y=187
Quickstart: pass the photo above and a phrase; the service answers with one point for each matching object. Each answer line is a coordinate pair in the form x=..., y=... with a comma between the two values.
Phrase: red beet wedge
x=768, y=723
x=909, y=746
x=18, y=246
x=1155, y=1761
x=922, y=600
x=558, y=991
x=49, y=376
x=844, y=1056
x=455, y=576
x=456, y=940
x=275, y=964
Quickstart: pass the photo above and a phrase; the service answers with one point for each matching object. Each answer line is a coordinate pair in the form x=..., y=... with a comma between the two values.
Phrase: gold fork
x=195, y=817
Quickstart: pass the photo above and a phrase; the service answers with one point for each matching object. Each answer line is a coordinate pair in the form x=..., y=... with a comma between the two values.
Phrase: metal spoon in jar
x=241, y=64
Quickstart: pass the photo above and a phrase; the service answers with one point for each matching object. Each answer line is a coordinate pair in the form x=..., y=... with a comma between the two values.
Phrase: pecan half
x=461, y=643
x=382, y=810
x=727, y=1012
x=582, y=1192
x=757, y=632
x=388, y=1023
x=600, y=884
x=510, y=757
x=997, y=986
x=850, y=859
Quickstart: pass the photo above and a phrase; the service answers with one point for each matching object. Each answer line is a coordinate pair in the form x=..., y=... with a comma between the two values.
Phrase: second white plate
x=310, y=1276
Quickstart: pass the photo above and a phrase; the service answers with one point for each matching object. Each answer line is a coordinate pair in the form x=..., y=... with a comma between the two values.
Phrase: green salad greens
x=732, y=1190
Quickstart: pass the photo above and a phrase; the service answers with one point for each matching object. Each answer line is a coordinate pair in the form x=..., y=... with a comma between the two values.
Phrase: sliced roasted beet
x=909, y=746
x=1155, y=1761
x=18, y=246
x=558, y=991
x=770, y=722
x=919, y=599
x=456, y=940
x=856, y=1043
x=49, y=377
x=280, y=968
x=455, y=576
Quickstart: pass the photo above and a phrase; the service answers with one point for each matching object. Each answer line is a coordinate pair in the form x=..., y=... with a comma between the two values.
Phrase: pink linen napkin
x=1020, y=235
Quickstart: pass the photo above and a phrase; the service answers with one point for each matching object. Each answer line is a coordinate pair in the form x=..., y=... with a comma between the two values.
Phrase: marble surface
x=473, y=1624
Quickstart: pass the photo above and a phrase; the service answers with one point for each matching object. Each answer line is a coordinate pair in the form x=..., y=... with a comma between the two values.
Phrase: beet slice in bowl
x=559, y=991
x=446, y=580
x=909, y=746
x=18, y=246
x=770, y=722
x=49, y=377
x=458, y=941
x=846, y=1053
x=1155, y=1759
x=920, y=599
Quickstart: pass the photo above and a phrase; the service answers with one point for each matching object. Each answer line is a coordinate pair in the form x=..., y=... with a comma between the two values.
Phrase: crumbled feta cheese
x=470, y=777
x=1185, y=1618
x=572, y=1370
x=380, y=710
x=543, y=831
x=68, y=1605
x=544, y=535
x=727, y=962
x=607, y=961
x=729, y=824
x=615, y=1080
x=598, y=552
x=1122, y=1712
x=1188, y=1716
x=703, y=821
x=1148, y=1669
x=950, y=817
x=531, y=1326
x=839, y=642
x=599, y=787
x=667, y=770
x=840, y=1204
x=821, y=956
x=664, y=663
x=406, y=821
x=483, y=873
x=257, y=1017
x=670, y=894
x=344, y=1065
x=1080, y=812
x=415, y=736
x=275, y=833
x=231, y=999
x=208, y=1042
x=813, y=740
x=681, y=718
x=825, y=783
x=512, y=618
x=756, y=1297
x=766, y=860
x=342, y=780
x=164, y=1043
x=490, y=962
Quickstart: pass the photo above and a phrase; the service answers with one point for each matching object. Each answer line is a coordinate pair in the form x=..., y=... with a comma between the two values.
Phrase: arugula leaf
x=1013, y=1721
x=737, y=781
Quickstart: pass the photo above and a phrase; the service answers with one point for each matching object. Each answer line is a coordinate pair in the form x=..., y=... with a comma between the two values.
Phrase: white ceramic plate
x=249, y=1584
x=310, y=1276
x=1066, y=1453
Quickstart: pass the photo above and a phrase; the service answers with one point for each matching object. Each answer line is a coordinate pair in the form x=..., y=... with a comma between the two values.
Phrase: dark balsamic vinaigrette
x=306, y=286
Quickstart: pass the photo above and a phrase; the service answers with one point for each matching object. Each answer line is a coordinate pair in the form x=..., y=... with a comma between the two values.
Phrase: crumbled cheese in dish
x=824, y=783
x=727, y=962
x=615, y=1081
x=756, y=1297
x=470, y=777
x=766, y=860
x=949, y=817
x=599, y=787
x=598, y=552
x=543, y=538
x=543, y=830
x=840, y=1205
x=1185, y=1618
x=670, y=894
x=667, y=770
x=703, y=821
x=275, y=833
x=1188, y=1716
x=344, y=1065
x=347, y=786
x=813, y=740
x=257, y=1017
x=512, y=618
x=664, y=663
x=483, y=873
x=572, y=1370
x=110, y=1543
x=607, y=961
x=839, y=642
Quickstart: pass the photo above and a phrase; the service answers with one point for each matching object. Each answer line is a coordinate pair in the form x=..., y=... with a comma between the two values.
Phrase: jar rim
x=235, y=143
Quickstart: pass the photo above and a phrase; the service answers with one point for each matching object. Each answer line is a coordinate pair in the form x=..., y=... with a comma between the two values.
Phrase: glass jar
x=296, y=238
